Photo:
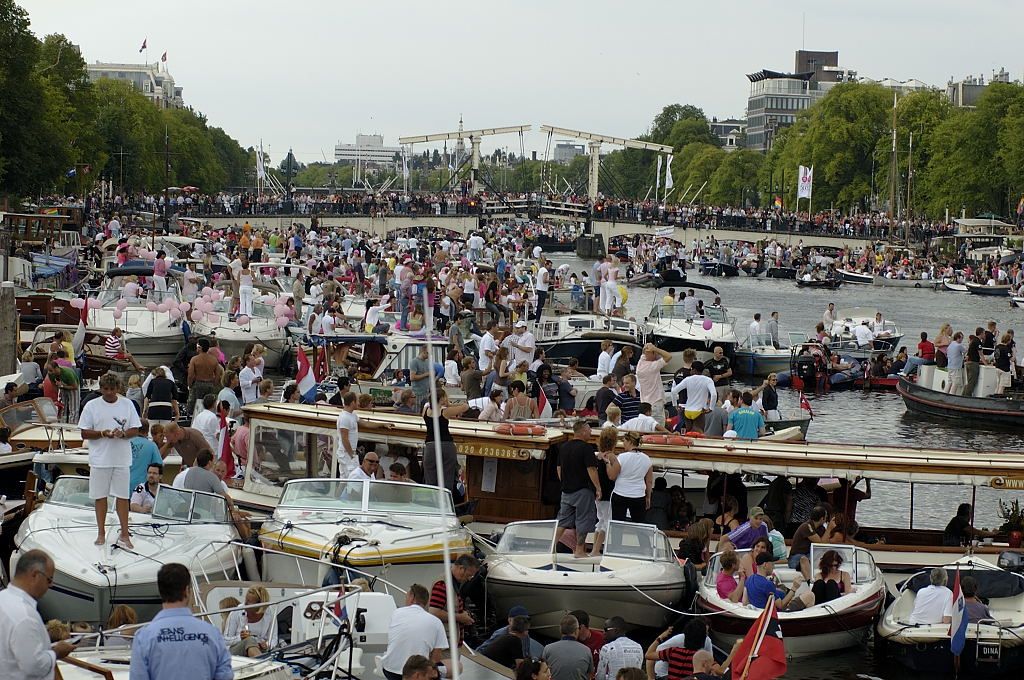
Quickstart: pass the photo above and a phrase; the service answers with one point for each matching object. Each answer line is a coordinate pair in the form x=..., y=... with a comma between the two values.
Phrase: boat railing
x=675, y=311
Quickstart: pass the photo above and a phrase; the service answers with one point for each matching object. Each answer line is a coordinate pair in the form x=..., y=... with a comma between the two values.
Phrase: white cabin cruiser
x=837, y=624
x=189, y=527
x=638, y=577
x=580, y=336
x=261, y=329
x=672, y=330
x=153, y=336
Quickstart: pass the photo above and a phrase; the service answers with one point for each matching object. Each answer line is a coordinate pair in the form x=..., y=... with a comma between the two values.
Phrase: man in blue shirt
x=759, y=586
x=144, y=454
x=748, y=423
x=176, y=645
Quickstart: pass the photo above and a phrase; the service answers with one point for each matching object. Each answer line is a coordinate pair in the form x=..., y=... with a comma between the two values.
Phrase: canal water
x=858, y=417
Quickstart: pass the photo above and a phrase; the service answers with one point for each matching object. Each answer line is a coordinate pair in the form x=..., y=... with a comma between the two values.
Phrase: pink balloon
x=707, y=324
x=197, y=316
x=218, y=295
x=131, y=289
x=151, y=306
x=117, y=313
x=94, y=303
x=184, y=307
x=78, y=303
x=242, y=320
x=162, y=307
x=213, y=318
x=207, y=291
x=174, y=312
x=282, y=321
x=280, y=310
x=269, y=299
x=121, y=304
x=208, y=307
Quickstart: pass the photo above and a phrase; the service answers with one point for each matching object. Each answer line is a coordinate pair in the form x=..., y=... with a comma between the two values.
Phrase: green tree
x=21, y=100
x=664, y=122
x=736, y=179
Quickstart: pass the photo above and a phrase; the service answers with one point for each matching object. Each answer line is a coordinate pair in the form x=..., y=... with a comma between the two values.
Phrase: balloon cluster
x=280, y=309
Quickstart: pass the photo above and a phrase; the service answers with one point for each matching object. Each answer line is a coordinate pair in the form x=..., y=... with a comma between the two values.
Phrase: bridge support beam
x=595, y=166
x=475, y=145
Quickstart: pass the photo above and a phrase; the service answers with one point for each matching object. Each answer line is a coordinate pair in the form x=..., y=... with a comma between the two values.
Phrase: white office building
x=368, y=150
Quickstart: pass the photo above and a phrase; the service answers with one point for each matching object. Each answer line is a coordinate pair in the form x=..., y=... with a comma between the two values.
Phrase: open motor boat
x=982, y=289
x=94, y=360
x=188, y=527
x=261, y=329
x=671, y=329
x=377, y=528
x=829, y=284
x=994, y=646
x=837, y=624
x=757, y=355
x=638, y=577
x=850, y=276
x=152, y=336
x=580, y=336
x=887, y=335
x=895, y=282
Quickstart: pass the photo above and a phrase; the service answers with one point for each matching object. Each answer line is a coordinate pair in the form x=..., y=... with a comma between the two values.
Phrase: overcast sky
x=309, y=73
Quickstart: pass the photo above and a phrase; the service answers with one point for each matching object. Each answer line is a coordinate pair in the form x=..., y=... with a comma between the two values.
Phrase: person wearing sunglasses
x=25, y=650
x=833, y=582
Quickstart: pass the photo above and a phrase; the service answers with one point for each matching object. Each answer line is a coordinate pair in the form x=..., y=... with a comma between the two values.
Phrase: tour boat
x=152, y=336
x=993, y=646
x=838, y=624
x=637, y=577
x=928, y=395
x=374, y=527
x=189, y=527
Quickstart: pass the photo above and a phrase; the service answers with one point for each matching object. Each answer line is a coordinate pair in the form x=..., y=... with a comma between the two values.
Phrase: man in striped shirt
x=114, y=348
x=628, y=400
x=463, y=571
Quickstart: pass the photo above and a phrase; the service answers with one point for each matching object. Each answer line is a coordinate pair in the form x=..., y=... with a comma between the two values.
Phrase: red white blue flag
x=958, y=627
x=304, y=378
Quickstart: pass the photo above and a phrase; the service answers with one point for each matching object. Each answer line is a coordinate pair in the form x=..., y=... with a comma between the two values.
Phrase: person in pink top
x=240, y=442
x=160, y=273
x=648, y=379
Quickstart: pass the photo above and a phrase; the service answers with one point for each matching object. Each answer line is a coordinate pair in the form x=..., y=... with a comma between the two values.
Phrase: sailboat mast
x=892, y=173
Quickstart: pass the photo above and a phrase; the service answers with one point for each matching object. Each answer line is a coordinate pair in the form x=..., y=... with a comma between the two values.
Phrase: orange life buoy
x=678, y=440
x=654, y=439
x=522, y=429
x=539, y=429
x=504, y=428
x=695, y=434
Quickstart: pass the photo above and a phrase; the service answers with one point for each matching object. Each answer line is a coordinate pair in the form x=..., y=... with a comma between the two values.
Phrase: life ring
x=678, y=440
x=539, y=429
x=519, y=430
x=504, y=428
x=694, y=434
x=654, y=439
x=917, y=285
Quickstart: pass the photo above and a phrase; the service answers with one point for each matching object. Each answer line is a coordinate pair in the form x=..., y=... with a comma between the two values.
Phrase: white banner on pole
x=668, y=174
x=805, y=181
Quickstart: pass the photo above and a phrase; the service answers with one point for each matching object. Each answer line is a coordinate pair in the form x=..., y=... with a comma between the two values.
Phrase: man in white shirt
x=521, y=344
x=25, y=649
x=368, y=468
x=488, y=347
x=934, y=603
x=542, y=285
x=618, y=651
x=755, y=325
x=701, y=396
x=413, y=630
x=108, y=424
x=249, y=380
x=643, y=422
x=207, y=421
x=862, y=333
x=829, y=317
x=348, y=437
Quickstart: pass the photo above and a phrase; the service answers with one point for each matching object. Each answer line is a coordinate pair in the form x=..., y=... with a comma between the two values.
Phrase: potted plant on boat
x=1013, y=521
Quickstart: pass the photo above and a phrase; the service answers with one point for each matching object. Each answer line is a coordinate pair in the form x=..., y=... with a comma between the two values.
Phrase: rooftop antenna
x=803, y=30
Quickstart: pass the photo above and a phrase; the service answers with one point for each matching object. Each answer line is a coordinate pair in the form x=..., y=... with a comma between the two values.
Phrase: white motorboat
x=1017, y=301
x=113, y=664
x=894, y=282
x=994, y=646
x=261, y=329
x=580, y=336
x=188, y=527
x=887, y=339
x=954, y=286
x=850, y=276
x=152, y=336
x=638, y=577
x=757, y=355
x=671, y=330
x=377, y=528
x=840, y=623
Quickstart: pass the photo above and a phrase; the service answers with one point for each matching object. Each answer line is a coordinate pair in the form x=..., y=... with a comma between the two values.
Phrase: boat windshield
x=193, y=507
x=760, y=340
x=527, y=537
x=72, y=491
x=365, y=496
x=260, y=309
x=715, y=314
x=624, y=539
x=108, y=297
x=26, y=414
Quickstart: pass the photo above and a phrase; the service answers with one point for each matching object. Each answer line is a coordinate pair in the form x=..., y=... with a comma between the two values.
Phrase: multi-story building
x=566, y=151
x=368, y=150
x=158, y=86
x=728, y=131
x=965, y=93
x=776, y=97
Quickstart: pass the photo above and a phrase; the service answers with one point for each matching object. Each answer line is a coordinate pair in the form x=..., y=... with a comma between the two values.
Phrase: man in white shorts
x=108, y=424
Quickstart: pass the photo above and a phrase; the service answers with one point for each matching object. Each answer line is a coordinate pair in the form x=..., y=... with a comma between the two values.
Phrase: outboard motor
x=805, y=369
x=1011, y=561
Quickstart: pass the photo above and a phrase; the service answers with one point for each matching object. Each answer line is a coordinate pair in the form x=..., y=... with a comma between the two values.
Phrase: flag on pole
x=778, y=202
x=958, y=627
x=657, y=180
x=320, y=367
x=224, y=443
x=668, y=173
x=761, y=654
x=805, y=180
x=543, y=405
x=78, y=342
x=405, y=165
x=304, y=378
x=806, y=405
x=71, y=172
x=163, y=57
x=1020, y=206
x=261, y=172
x=141, y=49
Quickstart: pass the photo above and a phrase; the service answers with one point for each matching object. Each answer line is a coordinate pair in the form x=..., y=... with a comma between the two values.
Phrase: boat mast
x=892, y=173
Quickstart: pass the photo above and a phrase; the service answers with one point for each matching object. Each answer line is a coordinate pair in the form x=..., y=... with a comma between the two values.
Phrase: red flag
x=143, y=45
x=762, y=654
x=806, y=405
x=320, y=364
x=225, y=443
x=164, y=57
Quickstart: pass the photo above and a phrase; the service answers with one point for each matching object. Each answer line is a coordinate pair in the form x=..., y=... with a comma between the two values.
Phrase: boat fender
x=654, y=439
x=252, y=570
x=694, y=434
x=522, y=429
x=504, y=428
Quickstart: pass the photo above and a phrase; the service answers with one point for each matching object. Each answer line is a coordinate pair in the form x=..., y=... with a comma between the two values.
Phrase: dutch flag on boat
x=958, y=627
x=304, y=378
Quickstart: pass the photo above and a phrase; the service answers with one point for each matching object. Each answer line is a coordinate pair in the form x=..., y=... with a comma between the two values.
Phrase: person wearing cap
x=521, y=344
x=618, y=650
x=531, y=648
x=760, y=586
x=743, y=536
x=514, y=646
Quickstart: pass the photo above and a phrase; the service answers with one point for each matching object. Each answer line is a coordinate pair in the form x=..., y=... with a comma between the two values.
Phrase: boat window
x=71, y=491
x=27, y=414
x=327, y=494
x=209, y=507
x=626, y=539
x=581, y=323
x=173, y=504
x=527, y=537
x=856, y=562
x=397, y=497
x=622, y=325
x=278, y=454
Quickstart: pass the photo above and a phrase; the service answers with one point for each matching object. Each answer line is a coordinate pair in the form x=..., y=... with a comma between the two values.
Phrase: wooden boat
x=35, y=426
x=856, y=277
x=954, y=287
x=868, y=383
x=927, y=396
x=828, y=284
x=94, y=359
x=981, y=289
